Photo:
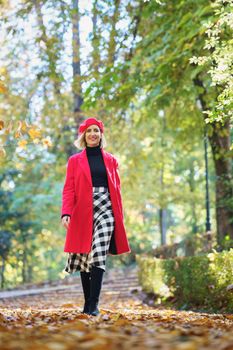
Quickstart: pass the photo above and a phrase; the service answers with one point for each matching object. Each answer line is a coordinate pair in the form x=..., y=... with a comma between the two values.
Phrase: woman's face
x=93, y=136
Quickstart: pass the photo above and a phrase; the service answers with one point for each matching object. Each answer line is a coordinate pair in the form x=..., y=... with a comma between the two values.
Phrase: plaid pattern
x=103, y=227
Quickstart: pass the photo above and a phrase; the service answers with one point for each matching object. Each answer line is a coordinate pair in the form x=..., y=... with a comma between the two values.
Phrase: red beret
x=88, y=122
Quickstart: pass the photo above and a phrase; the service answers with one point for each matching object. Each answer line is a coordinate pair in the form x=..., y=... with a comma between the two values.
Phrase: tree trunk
x=53, y=74
x=113, y=33
x=163, y=204
x=77, y=85
x=219, y=137
x=220, y=144
x=24, y=276
x=3, y=273
x=163, y=225
x=95, y=42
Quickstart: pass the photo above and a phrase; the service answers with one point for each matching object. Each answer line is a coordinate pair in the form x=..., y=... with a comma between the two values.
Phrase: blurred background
x=159, y=75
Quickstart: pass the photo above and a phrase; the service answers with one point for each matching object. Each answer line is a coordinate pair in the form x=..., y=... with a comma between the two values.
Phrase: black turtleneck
x=97, y=166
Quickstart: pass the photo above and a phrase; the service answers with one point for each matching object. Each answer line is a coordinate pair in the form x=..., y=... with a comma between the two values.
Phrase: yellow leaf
x=1, y=124
x=25, y=125
x=67, y=305
x=22, y=143
x=36, y=141
x=34, y=133
x=3, y=88
x=18, y=134
x=47, y=142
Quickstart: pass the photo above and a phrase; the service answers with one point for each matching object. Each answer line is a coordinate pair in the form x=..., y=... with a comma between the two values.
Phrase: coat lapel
x=86, y=168
x=108, y=165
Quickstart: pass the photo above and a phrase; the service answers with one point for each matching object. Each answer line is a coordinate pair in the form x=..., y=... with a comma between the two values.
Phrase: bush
x=197, y=280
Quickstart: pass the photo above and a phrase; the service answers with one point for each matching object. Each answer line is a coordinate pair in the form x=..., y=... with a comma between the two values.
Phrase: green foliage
x=219, y=43
x=30, y=220
x=198, y=280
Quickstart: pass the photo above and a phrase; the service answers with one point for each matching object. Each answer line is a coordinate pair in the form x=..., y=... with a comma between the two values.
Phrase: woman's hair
x=81, y=143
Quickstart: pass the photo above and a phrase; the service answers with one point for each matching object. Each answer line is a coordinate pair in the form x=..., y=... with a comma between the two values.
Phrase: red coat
x=77, y=201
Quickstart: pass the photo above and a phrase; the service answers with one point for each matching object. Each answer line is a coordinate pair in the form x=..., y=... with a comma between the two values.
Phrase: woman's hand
x=65, y=221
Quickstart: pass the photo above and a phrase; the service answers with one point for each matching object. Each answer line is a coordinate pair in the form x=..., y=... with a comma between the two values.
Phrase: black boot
x=96, y=284
x=86, y=284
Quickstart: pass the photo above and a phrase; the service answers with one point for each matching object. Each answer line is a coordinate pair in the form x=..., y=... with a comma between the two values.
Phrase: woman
x=92, y=211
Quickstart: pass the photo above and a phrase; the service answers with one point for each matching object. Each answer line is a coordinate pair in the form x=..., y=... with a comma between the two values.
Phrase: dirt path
x=48, y=317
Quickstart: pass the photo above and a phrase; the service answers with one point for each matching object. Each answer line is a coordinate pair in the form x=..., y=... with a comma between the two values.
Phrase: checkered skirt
x=103, y=227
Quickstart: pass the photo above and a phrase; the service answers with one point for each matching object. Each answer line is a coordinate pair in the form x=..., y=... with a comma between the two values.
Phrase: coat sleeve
x=68, y=192
x=117, y=173
x=118, y=181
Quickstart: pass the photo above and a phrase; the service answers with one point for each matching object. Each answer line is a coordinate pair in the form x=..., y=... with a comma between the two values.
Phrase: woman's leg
x=96, y=285
x=86, y=284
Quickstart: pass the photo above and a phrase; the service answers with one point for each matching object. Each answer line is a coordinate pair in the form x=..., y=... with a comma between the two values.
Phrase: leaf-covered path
x=48, y=317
